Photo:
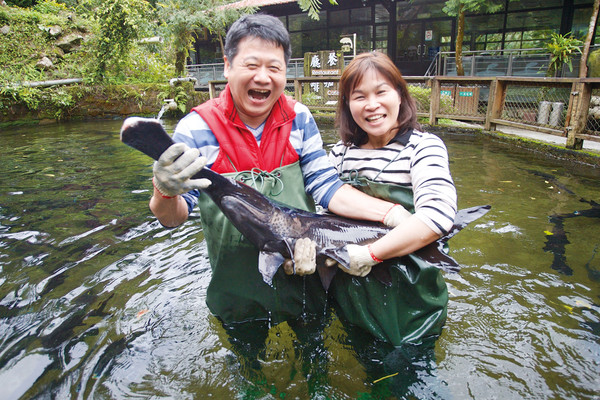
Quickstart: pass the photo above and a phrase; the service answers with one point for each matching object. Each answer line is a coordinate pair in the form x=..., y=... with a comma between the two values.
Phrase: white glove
x=305, y=258
x=396, y=215
x=361, y=260
x=172, y=175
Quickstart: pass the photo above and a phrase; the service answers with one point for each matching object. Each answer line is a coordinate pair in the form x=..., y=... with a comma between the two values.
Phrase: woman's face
x=374, y=104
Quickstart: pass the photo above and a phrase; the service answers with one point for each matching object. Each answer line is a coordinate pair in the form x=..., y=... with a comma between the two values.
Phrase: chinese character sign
x=332, y=61
x=322, y=64
x=315, y=62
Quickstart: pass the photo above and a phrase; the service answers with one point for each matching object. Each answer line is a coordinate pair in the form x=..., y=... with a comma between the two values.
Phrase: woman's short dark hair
x=262, y=26
x=349, y=131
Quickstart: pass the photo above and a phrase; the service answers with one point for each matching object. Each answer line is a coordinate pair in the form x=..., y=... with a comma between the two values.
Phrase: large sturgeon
x=274, y=228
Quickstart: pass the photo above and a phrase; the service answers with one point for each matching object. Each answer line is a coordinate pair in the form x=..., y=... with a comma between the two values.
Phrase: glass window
x=420, y=9
x=364, y=39
x=581, y=23
x=303, y=42
x=337, y=18
x=283, y=20
x=300, y=22
x=484, y=23
x=533, y=20
x=361, y=14
x=533, y=4
x=381, y=14
x=381, y=32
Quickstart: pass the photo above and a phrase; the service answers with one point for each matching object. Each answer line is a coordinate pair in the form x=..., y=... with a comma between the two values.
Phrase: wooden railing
x=567, y=107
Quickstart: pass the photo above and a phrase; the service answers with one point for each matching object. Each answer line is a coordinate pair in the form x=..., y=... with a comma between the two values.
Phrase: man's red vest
x=239, y=150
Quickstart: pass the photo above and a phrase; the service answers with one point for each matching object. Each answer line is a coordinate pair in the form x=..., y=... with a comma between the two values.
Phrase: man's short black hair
x=262, y=26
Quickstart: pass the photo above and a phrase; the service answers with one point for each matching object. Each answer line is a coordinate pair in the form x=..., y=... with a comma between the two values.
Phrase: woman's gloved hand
x=172, y=174
x=305, y=258
x=395, y=215
x=361, y=260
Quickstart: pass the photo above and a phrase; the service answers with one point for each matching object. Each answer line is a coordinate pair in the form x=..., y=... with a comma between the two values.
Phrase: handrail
x=484, y=100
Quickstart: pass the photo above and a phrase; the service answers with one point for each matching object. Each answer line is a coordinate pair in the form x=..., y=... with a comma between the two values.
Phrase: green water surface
x=97, y=300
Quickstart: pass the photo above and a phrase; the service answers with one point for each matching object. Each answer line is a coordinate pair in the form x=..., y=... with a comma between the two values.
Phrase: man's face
x=257, y=77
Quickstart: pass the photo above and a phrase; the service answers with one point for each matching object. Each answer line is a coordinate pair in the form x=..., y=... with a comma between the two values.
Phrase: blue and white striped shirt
x=320, y=178
x=415, y=160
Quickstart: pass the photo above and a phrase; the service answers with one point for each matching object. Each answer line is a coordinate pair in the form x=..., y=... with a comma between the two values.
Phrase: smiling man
x=255, y=133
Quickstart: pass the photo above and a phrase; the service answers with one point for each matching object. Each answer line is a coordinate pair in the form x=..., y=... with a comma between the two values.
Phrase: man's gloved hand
x=361, y=260
x=172, y=175
x=305, y=258
x=395, y=215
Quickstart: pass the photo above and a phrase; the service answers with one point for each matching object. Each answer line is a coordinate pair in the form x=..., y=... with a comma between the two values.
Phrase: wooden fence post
x=488, y=112
x=495, y=110
x=579, y=114
x=297, y=90
x=434, y=102
x=211, y=90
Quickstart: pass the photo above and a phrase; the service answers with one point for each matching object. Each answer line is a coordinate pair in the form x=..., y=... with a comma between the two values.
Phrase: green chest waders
x=237, y=292
x=413, y=307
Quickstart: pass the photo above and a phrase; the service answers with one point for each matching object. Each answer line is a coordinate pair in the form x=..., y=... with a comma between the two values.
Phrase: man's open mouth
x=259, y=94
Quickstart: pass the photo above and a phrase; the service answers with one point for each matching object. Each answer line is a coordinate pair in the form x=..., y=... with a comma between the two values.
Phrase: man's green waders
x=237, y=292
x=413, y=307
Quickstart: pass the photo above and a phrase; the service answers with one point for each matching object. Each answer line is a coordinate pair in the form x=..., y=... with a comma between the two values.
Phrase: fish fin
x=464, y=217
x=435, y=254
x=326, y=274
x=268, y=264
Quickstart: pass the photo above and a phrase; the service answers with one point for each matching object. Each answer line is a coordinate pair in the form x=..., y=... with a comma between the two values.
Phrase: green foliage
x=49, y=7
x=110, y=31
x=27, y=95
x=120, y=23
x=181, y=17
x=60, y=100
x=422, y=96
x=311, y=98
x=594, y=64
x=179, y=94
x=21, y=3
x=562, y=49
x=453, y=7
x=313, y=7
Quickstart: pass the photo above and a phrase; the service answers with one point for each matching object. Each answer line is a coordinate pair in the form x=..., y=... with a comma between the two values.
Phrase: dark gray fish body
x=274, y=228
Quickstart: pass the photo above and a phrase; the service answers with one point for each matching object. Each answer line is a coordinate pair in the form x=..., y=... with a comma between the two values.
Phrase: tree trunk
x=221, y=43
x=460, y=34
x=180, y=57
x=588, y=40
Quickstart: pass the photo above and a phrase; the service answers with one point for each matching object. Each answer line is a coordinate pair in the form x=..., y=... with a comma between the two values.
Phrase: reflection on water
x=98, y=300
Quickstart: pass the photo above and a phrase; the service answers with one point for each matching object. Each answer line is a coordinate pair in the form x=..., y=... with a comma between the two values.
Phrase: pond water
x=97, y=300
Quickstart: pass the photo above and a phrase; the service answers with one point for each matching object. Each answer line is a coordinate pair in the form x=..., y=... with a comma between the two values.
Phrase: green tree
x=218, y=19
x=458, y=9
x=182, y=17
x=119, y=24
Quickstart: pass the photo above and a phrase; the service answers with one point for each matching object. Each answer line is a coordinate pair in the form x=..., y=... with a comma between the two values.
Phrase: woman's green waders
x=237, y=292
x=413, y=307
